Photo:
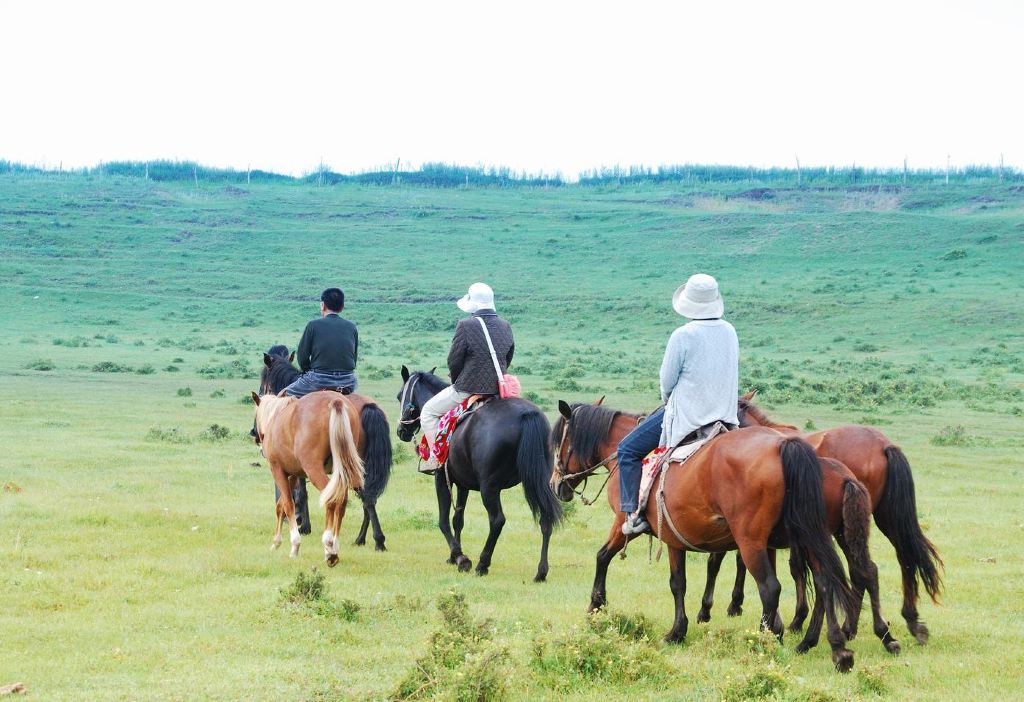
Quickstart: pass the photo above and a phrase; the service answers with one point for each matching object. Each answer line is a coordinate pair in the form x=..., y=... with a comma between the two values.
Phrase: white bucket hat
x=699, y=298
x=479, y=297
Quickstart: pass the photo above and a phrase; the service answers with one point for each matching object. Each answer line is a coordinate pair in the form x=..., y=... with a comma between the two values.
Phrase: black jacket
x=329, y=343
x=469, y=361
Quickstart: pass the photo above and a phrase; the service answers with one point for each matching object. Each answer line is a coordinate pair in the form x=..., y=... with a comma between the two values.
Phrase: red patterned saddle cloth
x=445, y=429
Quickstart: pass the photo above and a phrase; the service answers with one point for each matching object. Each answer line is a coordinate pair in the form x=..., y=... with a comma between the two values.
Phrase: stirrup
x=428, y=467
x=635, y=524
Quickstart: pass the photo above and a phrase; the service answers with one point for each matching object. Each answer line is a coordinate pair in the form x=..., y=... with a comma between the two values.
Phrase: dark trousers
x=632, y=451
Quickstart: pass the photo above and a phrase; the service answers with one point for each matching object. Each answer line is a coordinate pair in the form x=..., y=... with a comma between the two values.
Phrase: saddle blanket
x=655, y=462
x=445, y=429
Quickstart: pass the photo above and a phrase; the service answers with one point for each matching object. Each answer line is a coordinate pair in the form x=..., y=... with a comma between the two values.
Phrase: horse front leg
x=677, y=583
x=545, y=538
x=708, y=600
x=496, y=518
x=444, y=509
x=378, y=533
x=361, y=534
x=615, y=543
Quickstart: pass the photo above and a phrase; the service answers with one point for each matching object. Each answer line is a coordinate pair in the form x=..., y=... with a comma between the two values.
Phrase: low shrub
x=174, y=435
x=599, y=650
x=307, y=587
x=951, y=436
x=185, y=392
x=768, y=682
x=145, y=369
x=215, y=432
x=954, y=254
x=217, y=393
x=462, y=662
x=41, y=364
x=111, y=367
x=172, y=369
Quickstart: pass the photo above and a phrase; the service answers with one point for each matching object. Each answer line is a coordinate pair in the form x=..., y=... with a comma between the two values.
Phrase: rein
x=563, y=470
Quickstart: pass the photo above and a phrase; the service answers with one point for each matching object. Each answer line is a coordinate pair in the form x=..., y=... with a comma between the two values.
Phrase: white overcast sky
x=539, y=86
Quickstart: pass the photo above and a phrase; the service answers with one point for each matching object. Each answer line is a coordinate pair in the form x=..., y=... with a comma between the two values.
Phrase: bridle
x=409, y=394
x=562, y=469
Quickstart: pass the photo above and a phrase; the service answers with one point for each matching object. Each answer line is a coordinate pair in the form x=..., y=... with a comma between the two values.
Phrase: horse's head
x=267, y=407
x=577, y=436
x=274, y=358
x=743, y=405
x=417, y=388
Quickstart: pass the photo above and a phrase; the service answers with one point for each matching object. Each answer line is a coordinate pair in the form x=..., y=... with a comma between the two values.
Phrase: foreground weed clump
x=215, y=432
x=462, y=663
x=174, y=435
x=309, y=591
x=41, y=364
x=768, y=682
x=956, y=436
x=611, y=648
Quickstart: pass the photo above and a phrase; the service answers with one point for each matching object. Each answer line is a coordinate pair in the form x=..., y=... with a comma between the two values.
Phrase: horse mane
x=432, y=381
x=759, y=416
x=588, y=429
x=269, y=407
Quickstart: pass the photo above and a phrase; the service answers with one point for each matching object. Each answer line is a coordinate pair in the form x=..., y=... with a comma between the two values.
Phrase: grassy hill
x=134, y=531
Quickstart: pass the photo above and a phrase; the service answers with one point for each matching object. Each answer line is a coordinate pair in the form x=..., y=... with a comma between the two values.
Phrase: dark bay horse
x=751, y=489
x=885, y=471
x=501, y=444
x=374, y=445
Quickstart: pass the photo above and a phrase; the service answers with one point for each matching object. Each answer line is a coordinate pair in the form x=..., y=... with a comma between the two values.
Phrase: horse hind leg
x=868, y=580
x=496, y=517
x=364, y=527
x=800, y=586
x=759, y=563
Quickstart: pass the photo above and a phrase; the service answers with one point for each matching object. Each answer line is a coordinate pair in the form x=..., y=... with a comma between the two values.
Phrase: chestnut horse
x=374, y=445
x=750, y=489
x=298, y=436
x=883, y=468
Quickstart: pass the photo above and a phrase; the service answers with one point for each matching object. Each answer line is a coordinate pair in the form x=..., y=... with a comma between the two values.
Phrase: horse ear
x=564, y=409
x=291, y=357
x=405, y=374
x=750, y=395
x=267, y=360
x=433, y=369
x=600, y=400
x=255, y=399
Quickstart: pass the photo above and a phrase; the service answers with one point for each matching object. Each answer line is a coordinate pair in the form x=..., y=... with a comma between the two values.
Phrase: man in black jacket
x=328, y=349
x=469, y=360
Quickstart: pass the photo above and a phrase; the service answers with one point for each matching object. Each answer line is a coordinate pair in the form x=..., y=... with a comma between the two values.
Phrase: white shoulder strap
x=490, y=347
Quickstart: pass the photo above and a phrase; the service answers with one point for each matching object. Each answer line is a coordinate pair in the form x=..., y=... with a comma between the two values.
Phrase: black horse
x=278, y=373
x=501, y=444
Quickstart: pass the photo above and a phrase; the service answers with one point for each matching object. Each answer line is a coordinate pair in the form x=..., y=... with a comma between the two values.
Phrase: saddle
x=446, y=428
x=658, y=460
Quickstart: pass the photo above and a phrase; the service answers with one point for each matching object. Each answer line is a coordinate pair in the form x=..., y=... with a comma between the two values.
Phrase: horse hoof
x=849, y=632
x=843, y=660
x=481, y=570
x=332, y=560
x=359, y=542
x=675, y=637
x=734, y=610
x=921, y=633
x=796, y=628
x=540, y=577
x=464, y=564
x=894, y=647
x=703, y=617
x=380, y=547
x=803, y=647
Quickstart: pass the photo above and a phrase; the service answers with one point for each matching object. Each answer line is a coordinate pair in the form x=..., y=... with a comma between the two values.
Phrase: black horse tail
x=857, y=528
x=534, y=461
x=376, y=452
x=803, y=515
x=897, y=509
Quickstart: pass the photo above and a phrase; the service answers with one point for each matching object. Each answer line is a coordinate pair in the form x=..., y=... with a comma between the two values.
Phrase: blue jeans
x=313, y=380
x=632, y=451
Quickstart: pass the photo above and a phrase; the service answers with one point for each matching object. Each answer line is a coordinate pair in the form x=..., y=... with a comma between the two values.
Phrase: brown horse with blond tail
x=884, y=470
x=302, y=436
x=753, y=489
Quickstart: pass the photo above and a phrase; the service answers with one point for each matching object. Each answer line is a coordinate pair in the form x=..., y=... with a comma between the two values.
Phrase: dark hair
x=333, y=299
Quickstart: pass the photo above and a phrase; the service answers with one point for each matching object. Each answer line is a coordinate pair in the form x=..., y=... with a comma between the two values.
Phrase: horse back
x=862, y=449
x=483, y=446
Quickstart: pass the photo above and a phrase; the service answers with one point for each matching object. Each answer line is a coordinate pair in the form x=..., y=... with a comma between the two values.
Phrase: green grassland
x=135, y=514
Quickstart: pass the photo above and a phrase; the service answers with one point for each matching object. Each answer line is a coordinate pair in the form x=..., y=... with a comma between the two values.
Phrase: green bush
x=145, y=369
x=41, y=364
x=462, y=663
x=307, y=587
x=174, y=435
x=599, y=650
x=764, y=683
x=185, y=392
x=215, y=432
x=111, y=367
x=951, y=436
x=954, y=255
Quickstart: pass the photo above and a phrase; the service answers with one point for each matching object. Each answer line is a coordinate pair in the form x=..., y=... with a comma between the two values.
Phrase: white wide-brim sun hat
x=479, y=297
x=698, y=298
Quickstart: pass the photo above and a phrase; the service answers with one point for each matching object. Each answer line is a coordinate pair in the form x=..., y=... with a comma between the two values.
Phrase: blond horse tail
x=347, y=466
